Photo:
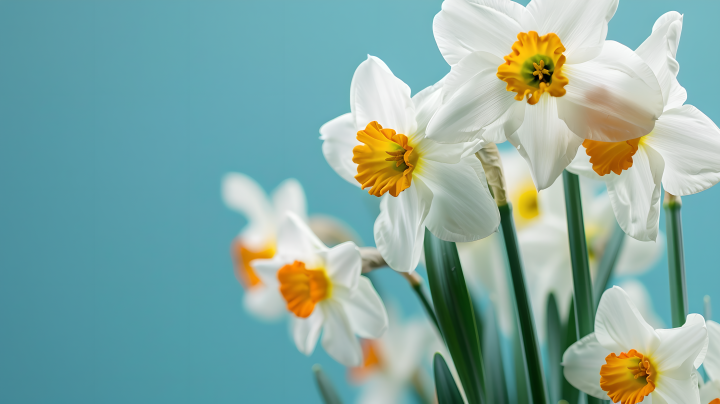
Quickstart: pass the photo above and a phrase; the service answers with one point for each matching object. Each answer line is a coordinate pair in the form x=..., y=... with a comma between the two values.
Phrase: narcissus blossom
x=381, y=145
x=541, y=76
x=323, y=290
x=682, y=152
x=258, y=238
x=628, y=361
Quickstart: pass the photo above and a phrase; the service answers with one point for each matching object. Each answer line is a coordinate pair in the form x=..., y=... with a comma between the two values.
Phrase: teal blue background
x=118, y=120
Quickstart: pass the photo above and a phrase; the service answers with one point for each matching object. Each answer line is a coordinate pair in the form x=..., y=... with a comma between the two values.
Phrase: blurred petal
x=712, y=359
x=619, y=327
x=611, y=98
x=478, y=102
x=635, y=195
x=710, y=391
x=689, y=142
x=398, y=229
x=377, y=95
x=297, y=241
x=365, y=310
x=678, y=345
x=545, y=141
x=466, y=26
x=338, y=338
x=581, y=365
x=244, y=195
x=462, y=209
x=581, y=25
x=290, y=197
x=659, y=51
x=307, y=330
x=264, y=302
x=637, y=257
x=343, y=264
x=339, y=139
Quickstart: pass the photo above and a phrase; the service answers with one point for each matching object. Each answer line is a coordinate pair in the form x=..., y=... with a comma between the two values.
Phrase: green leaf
x=569, y=392
x=327, y=391
x=676, y=260
x=495, y=384
x=530, y=351
x=447, y=390
x=555, y=349
x=607, y=263
x=455, y=315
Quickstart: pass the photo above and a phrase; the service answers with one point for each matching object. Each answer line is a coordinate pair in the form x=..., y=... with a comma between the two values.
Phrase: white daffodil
x=258, y=238
x=541, y=76
x=381, y=145
x=323, y=289
x=682, y=153
x=628, y=361
x=394, y=363
x=710, y=392
x=543, y=238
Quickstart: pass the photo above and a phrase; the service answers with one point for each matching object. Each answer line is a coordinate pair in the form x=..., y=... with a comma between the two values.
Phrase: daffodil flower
x=381, y=145
x=710, y=392
x=258, y=238
x=543, y=238
x=541, y=76
x=628, y=361
x=323, y=290
x=682, y=152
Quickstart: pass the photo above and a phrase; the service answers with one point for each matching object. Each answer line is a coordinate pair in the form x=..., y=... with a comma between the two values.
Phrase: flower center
x=528, y=204
x=385, y=160
x=534, y=67
x=303, y=288
x=627, y=378
x=607, y=157
x=371, y=362
x=243, y=256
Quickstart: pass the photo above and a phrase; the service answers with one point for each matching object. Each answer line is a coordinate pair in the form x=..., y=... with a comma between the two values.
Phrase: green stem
x=582, y=283
x=676, y=260
x=531, y=350
x=607, y=263
x=415, y=282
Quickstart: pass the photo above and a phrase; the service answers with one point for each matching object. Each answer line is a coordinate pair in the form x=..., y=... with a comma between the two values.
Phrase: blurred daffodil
x=541, y=76
x=627, y=360
x=258, y=238
x=682, y=152
x=323, y=289
x=381, y=145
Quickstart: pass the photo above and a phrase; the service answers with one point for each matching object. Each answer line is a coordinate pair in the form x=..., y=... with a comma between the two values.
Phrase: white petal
x=399, y=231
x=343, y=264
x=611, y=98
x=466, y=26
x=659, y=51
x=581, y=166
x=338, y=338
x=689, y=142
x=264, y=302
x=642, y=300
x=464, y=70
x=339, y=137
x=680, y=345
x=462, y=209
x=290, y=197
x=545, y=141
x=500, y=130
x=244, y=195
x=365, y=310
x=426, y=102
x=307, y=330
x=581, y=25
x=477, y=103
x=377, y=95
x=712, y=359
x=297, y=241
x=266, y=270
x=677, y=391
x=635, y=195
x=619, y=327
x=581, y=365
x=710, y=391
x=637, y=257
